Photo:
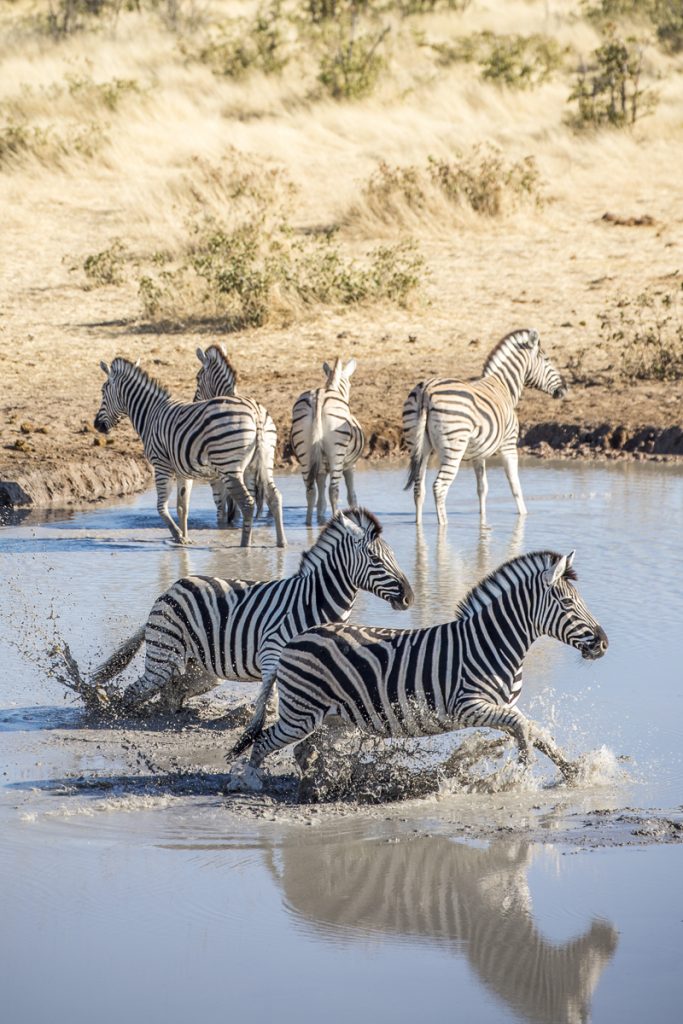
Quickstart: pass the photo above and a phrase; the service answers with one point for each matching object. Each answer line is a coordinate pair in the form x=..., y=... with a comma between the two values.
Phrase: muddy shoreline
x=45, y=483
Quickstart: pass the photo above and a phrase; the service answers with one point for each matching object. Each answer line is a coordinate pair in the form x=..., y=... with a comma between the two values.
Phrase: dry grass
x=123, y=134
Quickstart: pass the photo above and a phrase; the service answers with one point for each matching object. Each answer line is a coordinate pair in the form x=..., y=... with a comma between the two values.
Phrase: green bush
x=648, y=331
x=245, y=46
x=520, y=62
x=246, y=276
x=351, y=62
x=485, y=182
x=610, y=92
x=106, y=267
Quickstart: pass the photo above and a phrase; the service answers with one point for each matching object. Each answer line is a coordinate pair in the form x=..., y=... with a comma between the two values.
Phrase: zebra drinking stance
x=420, y=682
x=222, y=438
x=215, y=378
x=327, y=438
x=203, y=629
x=474, y=421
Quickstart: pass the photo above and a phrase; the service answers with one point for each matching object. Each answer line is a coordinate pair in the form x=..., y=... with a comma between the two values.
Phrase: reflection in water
x=471, y=900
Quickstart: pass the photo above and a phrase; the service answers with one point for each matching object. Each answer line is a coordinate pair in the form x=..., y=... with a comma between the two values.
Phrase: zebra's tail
x=416, y=433
x=255, y=727
x=316, y=454
x=121, y=657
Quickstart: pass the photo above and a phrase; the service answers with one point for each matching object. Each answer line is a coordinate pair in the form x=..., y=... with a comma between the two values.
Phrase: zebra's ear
x=350, y=368
x=570, y=559
x=554, y=574
x=326, y=369
x=136, y=363
x=199, y=352
x=104, y=367
x=534, y=338
x=350, y=525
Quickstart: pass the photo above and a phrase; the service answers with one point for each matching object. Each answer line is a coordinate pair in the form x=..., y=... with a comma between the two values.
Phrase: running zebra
x=327, y=438
x=420, y=682
x=215, y=378
x=474, y=421
x=203, y=629
x=222, y=438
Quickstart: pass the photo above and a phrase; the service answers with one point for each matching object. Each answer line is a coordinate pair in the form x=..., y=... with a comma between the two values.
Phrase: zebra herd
x=291, y=633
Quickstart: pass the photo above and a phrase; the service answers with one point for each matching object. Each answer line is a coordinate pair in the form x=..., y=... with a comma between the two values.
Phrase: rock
x=12, y=495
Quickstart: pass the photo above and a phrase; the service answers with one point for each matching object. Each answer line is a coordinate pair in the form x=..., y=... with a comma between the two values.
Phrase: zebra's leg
x=225, y=507
x=350, y=489
x=162, y=478
x=444, y=478
x=183, y=504
x=236, y=489
x=544, y=742
x=335, y=479
x=482, y=486
x=320, y=483
x=274, y=502
x=510, y=465
x=193, y=682
x=484, y=713
x=419, y=488
x=155, y=677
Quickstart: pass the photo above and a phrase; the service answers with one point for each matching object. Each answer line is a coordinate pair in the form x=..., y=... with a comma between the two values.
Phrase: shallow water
x=130, y=883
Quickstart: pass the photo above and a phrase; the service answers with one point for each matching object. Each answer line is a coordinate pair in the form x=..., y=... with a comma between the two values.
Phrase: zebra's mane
x=131, y=371
x=333, y=532
x=515, y=340
x=215, y=353
x=507, y=576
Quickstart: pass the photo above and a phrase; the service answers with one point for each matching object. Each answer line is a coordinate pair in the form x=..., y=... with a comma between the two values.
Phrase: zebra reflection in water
x=471, y=901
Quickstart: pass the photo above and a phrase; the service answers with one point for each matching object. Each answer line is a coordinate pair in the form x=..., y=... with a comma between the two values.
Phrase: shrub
x=19, y=141
x=610, y=92
x=520, y=62
x=106, y=267
x=108, y=94
x=485, y=182
x=248, y=46
x=245, y=277
x=351, y=62
x=648, y=331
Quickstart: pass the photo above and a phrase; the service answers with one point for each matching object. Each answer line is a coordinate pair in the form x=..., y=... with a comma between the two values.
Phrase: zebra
x=474, y=421
x=471, y=902
x=217, y=377
x=327, y=438
x=223, y=437
x=203, y=629
x=420, y=682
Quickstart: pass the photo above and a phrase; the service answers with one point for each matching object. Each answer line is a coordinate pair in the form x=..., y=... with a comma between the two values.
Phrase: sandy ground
x=555, y=268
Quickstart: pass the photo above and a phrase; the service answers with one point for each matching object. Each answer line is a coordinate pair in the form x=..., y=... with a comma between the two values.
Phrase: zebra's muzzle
x=101, y=425
x=596, y=647
x=560, y=392
x=399, y=604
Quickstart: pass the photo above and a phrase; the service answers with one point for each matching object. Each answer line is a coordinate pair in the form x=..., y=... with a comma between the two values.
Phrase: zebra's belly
x=481, y=447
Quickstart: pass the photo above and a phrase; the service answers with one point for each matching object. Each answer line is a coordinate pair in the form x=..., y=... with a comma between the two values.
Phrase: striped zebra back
x=471, y=902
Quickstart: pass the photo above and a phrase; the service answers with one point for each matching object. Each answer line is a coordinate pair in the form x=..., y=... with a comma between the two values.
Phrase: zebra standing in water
x=327, y=438
x=474, y=421
x=215, y=378
x=203, y=629
x=420, y=682
x=222, y=438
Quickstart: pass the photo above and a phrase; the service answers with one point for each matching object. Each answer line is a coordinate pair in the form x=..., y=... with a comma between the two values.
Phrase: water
x=123, y=891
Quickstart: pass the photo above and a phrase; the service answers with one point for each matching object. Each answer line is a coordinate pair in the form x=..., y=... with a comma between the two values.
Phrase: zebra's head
x=112, y=408
x=216, y=376
x=338, y=376
x=540, y=371
x=374, y=566
x=561, y=613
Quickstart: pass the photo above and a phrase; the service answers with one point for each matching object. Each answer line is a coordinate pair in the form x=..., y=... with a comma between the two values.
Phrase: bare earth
x=554, y=268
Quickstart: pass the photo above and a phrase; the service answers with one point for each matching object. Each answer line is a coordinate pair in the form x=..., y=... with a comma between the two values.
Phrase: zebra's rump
x=212, y=621
x=343, y=435
x=478, y=415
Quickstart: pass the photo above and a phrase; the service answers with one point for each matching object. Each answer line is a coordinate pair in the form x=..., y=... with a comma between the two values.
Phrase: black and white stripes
x=326, y=438
x=203, y=629
x=467, y=672
x=472, y=421
x=221, y=438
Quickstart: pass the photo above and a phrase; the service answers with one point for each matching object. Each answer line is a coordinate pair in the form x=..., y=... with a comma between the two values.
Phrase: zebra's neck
x=325, y=578
x=508, y=363
x=141, y=398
